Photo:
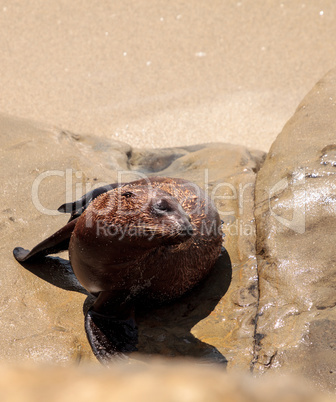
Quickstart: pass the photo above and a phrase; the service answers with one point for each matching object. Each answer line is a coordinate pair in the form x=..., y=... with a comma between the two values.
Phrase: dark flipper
x=57, y=242
x=111, y=339
x=76, y=208
x=110, y=327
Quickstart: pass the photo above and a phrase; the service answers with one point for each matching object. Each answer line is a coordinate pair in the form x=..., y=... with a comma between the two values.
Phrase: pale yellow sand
x=159, y=73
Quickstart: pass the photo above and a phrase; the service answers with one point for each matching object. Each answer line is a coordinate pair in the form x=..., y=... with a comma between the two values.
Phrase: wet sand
x=154, y=73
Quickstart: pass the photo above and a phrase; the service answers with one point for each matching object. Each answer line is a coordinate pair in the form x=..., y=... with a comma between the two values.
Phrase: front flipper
x=57, y=242
x=76, y=208
x=111, y=339
x=110, y=327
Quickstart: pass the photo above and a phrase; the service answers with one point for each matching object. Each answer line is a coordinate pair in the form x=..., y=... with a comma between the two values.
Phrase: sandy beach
x=157, y=74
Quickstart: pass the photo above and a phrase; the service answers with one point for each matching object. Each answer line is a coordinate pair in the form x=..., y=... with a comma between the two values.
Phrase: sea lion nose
x=162, y=207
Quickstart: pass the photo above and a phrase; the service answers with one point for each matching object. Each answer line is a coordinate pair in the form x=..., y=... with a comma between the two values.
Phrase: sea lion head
x=140, y=216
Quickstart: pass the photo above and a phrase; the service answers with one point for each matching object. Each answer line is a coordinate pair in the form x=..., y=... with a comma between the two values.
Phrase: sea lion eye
x=128, y=194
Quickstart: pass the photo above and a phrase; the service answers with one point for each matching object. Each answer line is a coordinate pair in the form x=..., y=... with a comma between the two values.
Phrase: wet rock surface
x=39, y=321
x=215, y=321
x=42, y=305
x=268, y=304
x=296, y=220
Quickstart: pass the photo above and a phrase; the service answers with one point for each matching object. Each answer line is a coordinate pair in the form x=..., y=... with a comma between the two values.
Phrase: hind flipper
x=57, y=242
x=20, y=253
x=110, y=328
x=76, y=208
x=110, y=339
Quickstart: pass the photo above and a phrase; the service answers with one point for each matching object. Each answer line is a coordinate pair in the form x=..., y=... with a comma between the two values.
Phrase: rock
x=42, y=166
x=221, y=327
x=269, y=304
x=42, y=320
x=296, y=220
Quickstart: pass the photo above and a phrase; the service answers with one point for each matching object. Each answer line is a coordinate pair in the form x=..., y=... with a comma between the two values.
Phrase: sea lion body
x=108, y=249
x=149, y=240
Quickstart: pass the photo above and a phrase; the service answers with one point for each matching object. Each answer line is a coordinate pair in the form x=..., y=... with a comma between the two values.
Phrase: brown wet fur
x=161, y=262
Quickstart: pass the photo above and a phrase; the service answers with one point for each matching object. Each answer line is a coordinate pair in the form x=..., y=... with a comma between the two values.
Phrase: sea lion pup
x=147, y=241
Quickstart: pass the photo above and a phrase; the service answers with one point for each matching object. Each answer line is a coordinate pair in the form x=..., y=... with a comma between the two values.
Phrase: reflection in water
x=165, y=330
